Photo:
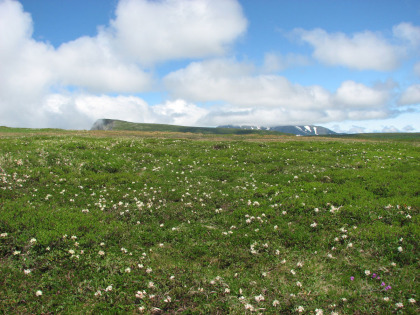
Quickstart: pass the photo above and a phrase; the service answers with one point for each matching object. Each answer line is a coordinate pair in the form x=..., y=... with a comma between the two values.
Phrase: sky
x=351, y=66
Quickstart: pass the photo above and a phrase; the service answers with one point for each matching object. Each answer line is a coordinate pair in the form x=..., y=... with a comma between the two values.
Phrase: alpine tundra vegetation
x=101, y=222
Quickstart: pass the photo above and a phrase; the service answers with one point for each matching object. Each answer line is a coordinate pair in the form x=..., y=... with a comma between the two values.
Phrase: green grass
x=204, y=225
x=413, y=137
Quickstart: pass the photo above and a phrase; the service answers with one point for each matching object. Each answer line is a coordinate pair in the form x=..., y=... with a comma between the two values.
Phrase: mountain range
x=307, y=130
x=113, y=124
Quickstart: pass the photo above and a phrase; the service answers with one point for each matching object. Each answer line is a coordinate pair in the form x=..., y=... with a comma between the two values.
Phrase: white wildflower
x=249, y=307
x=259, y=298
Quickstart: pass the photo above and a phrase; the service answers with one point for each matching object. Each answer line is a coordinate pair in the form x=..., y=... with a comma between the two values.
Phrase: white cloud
x=252, y=98
x=232, y=82
x=409, y=128
x=261, y=116
x=128, y=108
x=417, y=69
x=43, y=86
x=408, y=32
x=411, y=96
x=275, y=62
x=389, y=129
x=362, y=51
x=151, y=31
x=24, y=76
x=356, y=129
x=17, y=22
x=352, y=94
x=92, y=64
x=35, y=77
x=179, y=112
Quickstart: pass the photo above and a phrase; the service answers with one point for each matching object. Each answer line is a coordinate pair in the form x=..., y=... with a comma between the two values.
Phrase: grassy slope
x=119, y=125
x=213, y=224
x=413, y=137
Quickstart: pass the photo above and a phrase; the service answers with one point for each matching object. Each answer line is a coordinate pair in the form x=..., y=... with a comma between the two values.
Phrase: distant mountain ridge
x=114, y=124
x=307, y=130
x=120, y=125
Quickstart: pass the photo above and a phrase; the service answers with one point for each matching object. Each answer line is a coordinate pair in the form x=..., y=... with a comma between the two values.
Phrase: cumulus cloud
x=128, y=108
x=78, y=82
x=151, y=31
x=407, y=32
x=235, y=83
x=232, y=82
x=32, y=70
x=272, y=99
x=262, y=116
x=411, y=96
x=119, y=107
x=80, y=110
x=24, y=76
x=179, y=112
x=92, y=64
x=276, y=62
x=362, y=51
x=352, y=94
x=408, y=128
x=35, y=77
x=355, y=129
x=417, y=69
x=390, y=129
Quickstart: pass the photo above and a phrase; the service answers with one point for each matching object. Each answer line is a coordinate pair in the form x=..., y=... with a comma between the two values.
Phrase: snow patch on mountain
x=307, y=130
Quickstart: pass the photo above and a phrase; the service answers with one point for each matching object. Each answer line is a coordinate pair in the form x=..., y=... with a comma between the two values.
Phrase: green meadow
x=114, y=222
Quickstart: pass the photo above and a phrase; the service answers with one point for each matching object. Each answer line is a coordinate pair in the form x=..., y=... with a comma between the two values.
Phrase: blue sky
x=352, y=66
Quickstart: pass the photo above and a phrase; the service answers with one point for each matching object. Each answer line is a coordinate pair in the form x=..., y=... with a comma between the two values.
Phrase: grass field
x=135, y=222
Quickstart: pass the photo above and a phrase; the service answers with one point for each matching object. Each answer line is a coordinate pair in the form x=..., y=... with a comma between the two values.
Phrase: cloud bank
x=104, y=76
x=33, y=73
x=153, y=31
